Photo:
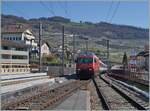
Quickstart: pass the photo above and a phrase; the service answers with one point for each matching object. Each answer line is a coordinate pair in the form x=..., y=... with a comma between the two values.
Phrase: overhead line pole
x=108, y=49
x=108, y=64
x=73, y=47
x=115, y=11
x=86, y=45
x=40, y=43
x=63, y=50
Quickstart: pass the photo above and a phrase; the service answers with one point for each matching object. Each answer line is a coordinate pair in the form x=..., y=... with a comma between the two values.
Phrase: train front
x=84, y=67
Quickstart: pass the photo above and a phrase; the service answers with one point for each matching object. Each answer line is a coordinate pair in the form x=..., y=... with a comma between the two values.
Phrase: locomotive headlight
x=90, y=69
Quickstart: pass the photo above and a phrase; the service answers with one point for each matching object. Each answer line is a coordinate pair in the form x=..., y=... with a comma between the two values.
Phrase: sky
x=133, y=13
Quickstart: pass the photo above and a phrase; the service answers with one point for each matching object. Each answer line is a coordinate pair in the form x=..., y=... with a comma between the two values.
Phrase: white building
x=19, y=33
x=14, y=57
x=45, y=49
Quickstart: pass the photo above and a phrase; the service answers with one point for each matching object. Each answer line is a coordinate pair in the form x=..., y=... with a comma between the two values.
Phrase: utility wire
x=115, y=11
x=51, y=6
x=63, y=7
x=110, y=8
x=42, y=3
x=66, y=8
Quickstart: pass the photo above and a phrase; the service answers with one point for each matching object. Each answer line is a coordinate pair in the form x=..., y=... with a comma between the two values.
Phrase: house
x=143, y=58
x=19, y=33
x=146, y=55
x=140, y=59
x=132, y=66
x=14, y=57
x=45, y=49
x=22, y=34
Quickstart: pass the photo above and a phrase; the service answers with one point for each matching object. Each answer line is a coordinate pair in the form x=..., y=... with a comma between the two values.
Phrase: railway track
x=136, y=96
x=113, y=98
x=44, y=98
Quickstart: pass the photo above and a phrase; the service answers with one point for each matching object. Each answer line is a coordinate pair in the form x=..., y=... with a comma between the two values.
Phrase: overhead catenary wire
x=110, y=21
x=51, y=7
x=47, y=8
x=115, y=11
x=109, y=10
x=64, y=7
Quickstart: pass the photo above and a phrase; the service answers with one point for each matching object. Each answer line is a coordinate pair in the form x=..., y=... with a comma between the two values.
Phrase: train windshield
x=85, y=60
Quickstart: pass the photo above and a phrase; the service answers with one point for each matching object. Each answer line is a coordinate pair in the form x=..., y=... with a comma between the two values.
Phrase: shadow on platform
x=72, y=76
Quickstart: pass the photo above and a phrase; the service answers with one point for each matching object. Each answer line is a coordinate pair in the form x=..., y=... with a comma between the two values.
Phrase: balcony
x=14, y=52
x=15, y=61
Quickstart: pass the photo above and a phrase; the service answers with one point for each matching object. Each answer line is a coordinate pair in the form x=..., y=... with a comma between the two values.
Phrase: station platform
x=78, y=101
x=20, y=86
x=20, y=76
x=21, y=80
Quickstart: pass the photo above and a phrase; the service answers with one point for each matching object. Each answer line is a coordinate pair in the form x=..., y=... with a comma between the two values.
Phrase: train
x=87, y=65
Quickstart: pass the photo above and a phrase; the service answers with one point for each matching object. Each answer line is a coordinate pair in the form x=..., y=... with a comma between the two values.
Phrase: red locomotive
x=87, y=65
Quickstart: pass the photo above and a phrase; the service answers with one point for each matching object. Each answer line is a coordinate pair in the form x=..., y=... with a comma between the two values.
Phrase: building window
x=19, y=57
x=5, y=47
x=5, y=56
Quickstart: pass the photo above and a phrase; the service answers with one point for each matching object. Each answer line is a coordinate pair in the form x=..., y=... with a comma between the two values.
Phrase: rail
x=46, y=98
x=101, y=95
x=109, y=104
x=128, y=98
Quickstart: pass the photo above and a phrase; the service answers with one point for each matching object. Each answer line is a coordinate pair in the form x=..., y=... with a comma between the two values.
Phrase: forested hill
x=101, y=29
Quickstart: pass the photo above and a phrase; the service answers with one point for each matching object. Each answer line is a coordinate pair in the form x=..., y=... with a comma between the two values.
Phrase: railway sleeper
x=129, y=99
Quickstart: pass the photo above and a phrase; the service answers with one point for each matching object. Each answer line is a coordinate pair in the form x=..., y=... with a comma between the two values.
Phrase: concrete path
x=16, y=87
x=78, y=101
x=20, y=76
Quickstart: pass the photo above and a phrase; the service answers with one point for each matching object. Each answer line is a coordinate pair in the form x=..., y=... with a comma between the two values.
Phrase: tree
x=125, y=61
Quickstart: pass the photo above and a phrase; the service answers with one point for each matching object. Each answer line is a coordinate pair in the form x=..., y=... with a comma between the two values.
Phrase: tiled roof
x=14, y=28
x=13, y=44
x=146, y=54
x=143, y=53
x=43, y=41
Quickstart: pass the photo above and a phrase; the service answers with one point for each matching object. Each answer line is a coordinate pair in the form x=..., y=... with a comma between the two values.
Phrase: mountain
x=96, y=30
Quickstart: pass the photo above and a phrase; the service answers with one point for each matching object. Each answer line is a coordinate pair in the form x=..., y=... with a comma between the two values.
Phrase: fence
x=140, y=77
x=57, y=71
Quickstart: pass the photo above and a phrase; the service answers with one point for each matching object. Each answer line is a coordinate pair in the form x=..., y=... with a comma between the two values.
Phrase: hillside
x=97, y=30
x=122, y=38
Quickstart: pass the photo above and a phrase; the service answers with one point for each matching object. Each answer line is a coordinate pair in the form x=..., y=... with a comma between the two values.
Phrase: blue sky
x=128, y=13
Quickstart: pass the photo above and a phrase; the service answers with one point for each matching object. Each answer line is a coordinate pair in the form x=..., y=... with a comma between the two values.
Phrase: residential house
x=45, y=49
x=22, y=34
x=19, y=33
x=143, y=58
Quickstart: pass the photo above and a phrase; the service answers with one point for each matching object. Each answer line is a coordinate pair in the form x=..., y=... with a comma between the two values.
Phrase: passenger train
x=87, y=65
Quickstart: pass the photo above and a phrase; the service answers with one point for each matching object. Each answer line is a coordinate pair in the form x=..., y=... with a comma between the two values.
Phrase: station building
x=14, y=57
